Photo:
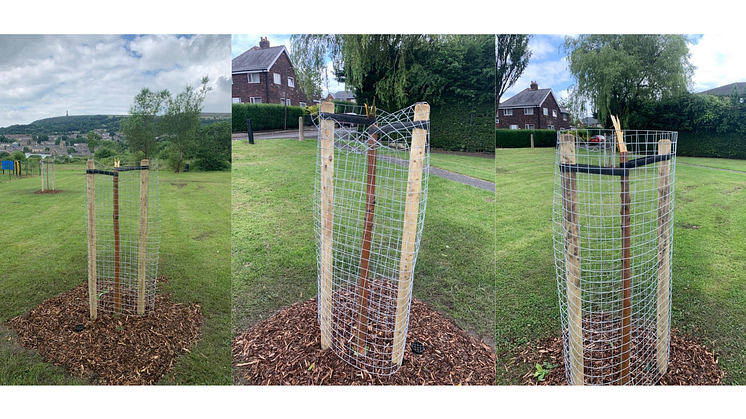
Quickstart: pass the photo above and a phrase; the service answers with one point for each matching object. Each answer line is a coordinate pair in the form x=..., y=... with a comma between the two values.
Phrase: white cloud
x=720, y=60
x=45, y=76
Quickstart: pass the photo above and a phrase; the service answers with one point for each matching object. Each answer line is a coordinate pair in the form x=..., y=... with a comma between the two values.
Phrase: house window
x=507, y=112
x=278, y=78
x=253, y=77
x=282, y=102
x=236, y=100
x=554, y=113
x=529, y=126
x=528, y=111
x=291, y=82
x=564, y=117
x=302, y=104
x=255, y=100
x=546, y=112
x=550, y=126
x=514, y=127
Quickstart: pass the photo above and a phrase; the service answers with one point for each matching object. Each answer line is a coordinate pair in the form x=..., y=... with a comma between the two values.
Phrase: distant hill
x=85, y=123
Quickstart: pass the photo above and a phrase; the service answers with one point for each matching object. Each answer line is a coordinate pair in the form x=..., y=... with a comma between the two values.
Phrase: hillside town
x=70, y=144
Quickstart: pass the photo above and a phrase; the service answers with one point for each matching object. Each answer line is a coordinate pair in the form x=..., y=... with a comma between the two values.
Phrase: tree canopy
x=511, y=58
x=616, y=73
x=141, y=129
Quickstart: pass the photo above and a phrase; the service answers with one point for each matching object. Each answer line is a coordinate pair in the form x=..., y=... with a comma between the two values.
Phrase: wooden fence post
x=409, y=236
x=143, y=242
x=572, y=259
x=664, y=202
x=300, y=128
x=91, y=195
x=327, y=222
x=532, y=140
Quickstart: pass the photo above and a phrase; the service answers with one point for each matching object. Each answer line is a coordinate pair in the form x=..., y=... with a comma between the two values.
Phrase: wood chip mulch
x=109, y=350
x=49, y=191
x=690, y=363
x=286, y=350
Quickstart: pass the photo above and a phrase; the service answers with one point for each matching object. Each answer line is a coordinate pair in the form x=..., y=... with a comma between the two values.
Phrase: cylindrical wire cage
x=123, y=227
x=613, y=230
x=46, y=169
x=369, y=209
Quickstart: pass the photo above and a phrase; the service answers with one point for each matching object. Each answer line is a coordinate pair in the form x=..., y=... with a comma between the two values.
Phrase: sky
x=720, y=60
x=43, y=76
x=242, y=43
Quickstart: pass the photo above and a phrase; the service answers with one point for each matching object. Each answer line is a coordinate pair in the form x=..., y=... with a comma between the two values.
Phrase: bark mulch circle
x=49, y=191
x=286, y=350
x=690, y=362
x=109, y=350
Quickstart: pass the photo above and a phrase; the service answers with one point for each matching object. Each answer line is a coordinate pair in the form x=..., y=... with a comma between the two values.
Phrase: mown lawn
x=478, y=167
x=45, y=254
x=274, y=256
x=709, y=259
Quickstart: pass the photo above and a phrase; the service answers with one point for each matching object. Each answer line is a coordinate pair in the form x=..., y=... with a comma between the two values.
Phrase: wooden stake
x=41, y=172
x=409, y=236
x=143, y=242
x=370, y=207
x=117, y=279
x=91, y=192
x=572, y=260
x=300, y=128
x=664, y=248
x=327, y=223
x=626, y=245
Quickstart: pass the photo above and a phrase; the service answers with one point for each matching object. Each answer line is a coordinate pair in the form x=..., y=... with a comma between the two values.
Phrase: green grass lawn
x=45, y=254
x=274, y=256
x=709, y=259
x=478, y=167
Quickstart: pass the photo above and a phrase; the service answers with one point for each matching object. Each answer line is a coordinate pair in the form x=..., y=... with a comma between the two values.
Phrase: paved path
x=308, y=132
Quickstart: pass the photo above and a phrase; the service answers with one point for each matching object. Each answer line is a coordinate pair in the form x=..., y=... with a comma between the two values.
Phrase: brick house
x=533, y=108
x=264, y=74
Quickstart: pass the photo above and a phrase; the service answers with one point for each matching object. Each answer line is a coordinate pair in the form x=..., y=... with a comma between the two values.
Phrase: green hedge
x=463, y=127
x=725, y=145
x=264, y=116
x=515, y=138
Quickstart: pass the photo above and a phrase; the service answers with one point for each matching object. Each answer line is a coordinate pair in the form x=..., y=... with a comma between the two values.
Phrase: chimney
x=534, y=85
x=263, y=43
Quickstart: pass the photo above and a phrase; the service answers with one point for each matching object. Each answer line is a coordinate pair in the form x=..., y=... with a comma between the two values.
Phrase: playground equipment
x=371, y=192
x=123, y=226
x=613, y=228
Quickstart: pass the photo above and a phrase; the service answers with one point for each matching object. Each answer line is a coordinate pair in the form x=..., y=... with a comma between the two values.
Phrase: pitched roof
x=527, y=98
x=725, y=90
x=257, y=59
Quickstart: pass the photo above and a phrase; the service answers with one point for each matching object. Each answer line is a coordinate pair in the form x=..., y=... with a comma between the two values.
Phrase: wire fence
x=369, y=209
x=123, y=226
x=613, y=225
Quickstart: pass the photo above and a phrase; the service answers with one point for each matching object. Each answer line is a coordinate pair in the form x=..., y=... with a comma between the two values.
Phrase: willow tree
x=616, y=73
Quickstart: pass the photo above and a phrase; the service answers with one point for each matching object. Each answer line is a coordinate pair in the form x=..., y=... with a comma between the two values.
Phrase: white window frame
x=546, y=112
x=254, y=76
x=554, y=113
x=236, y=100
x=283, y=101
x=564, y=117
x=550, y=126
x=302, y=104
x=514, y=127
x=529, y=126
x=291, y=82
x=277, y=78
x=507, y=112
x=255, y=100
x=528, y=111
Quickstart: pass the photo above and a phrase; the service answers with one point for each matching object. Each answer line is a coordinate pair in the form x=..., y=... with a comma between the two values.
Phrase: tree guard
x=369, y=209
x=613, y=225
x=123, y=226
x=46, y=169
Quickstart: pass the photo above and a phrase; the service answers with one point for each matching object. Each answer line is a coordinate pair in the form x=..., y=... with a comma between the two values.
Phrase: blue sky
x=43, y=76
x=720, y=60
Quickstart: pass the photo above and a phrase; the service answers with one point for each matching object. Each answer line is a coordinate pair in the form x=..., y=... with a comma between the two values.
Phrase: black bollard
x=250, y=131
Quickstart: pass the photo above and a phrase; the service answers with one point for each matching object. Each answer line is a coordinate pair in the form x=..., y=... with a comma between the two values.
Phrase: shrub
x=264, y=116
x=463, y=127
x=515, y=138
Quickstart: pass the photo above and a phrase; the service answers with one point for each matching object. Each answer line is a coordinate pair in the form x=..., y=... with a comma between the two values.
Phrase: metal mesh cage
x=370, y=198
x=613, y=225
x=123, y=226
x=46, y=169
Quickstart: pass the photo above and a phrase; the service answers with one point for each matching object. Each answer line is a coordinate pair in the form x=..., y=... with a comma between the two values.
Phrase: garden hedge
x=463, y=127
x=514, y=138
x=264, y=116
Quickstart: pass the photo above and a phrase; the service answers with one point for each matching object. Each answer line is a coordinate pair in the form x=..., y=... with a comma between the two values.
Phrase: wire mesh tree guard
x=369, y=209
x=123, y=226
x=46, y=169
x=613, y=228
